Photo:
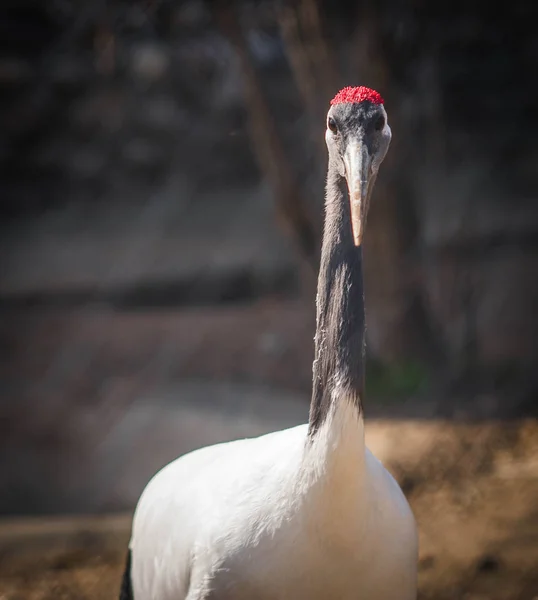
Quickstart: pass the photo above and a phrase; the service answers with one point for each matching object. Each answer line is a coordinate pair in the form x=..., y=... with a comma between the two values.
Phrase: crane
x=306, y=512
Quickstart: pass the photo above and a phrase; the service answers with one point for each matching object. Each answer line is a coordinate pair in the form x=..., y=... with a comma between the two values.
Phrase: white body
x=277, y=517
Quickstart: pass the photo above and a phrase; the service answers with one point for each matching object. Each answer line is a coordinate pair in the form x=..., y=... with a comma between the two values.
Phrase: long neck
x=338, y=369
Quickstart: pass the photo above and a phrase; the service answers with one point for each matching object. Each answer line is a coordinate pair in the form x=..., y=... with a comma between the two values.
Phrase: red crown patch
x=350, y=95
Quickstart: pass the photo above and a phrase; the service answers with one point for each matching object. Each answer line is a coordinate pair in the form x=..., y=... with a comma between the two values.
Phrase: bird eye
x=331, y=124
x=380, y=123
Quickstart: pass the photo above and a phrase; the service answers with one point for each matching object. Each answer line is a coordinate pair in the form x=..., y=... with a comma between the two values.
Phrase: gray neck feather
x=340, y=322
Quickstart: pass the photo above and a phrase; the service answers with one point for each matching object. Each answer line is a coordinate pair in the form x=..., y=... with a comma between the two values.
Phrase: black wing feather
x=126, y=591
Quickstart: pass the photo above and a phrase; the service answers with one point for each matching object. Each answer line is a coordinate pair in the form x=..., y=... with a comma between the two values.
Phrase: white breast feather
x=276, y=517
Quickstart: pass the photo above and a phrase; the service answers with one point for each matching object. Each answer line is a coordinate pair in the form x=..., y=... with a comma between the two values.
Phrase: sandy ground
x=473, y=487
x=94, y=402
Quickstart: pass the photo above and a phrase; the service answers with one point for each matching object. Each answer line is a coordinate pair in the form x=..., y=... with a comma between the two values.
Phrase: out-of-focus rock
x=149, y=61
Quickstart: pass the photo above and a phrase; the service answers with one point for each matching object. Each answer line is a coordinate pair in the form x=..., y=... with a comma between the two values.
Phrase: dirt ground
x=473, y=487
x=96, y=401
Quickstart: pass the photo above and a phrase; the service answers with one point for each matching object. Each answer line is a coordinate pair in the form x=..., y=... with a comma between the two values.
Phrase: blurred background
x=162, y=170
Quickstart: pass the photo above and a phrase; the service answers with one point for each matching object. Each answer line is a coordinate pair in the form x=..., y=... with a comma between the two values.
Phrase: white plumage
x=305, y=513
x=276, y=517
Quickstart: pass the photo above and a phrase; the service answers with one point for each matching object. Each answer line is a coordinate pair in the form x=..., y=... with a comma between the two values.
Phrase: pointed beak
x=357, y=163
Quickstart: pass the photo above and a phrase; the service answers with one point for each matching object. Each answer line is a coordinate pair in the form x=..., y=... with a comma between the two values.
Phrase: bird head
x=358, y=137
